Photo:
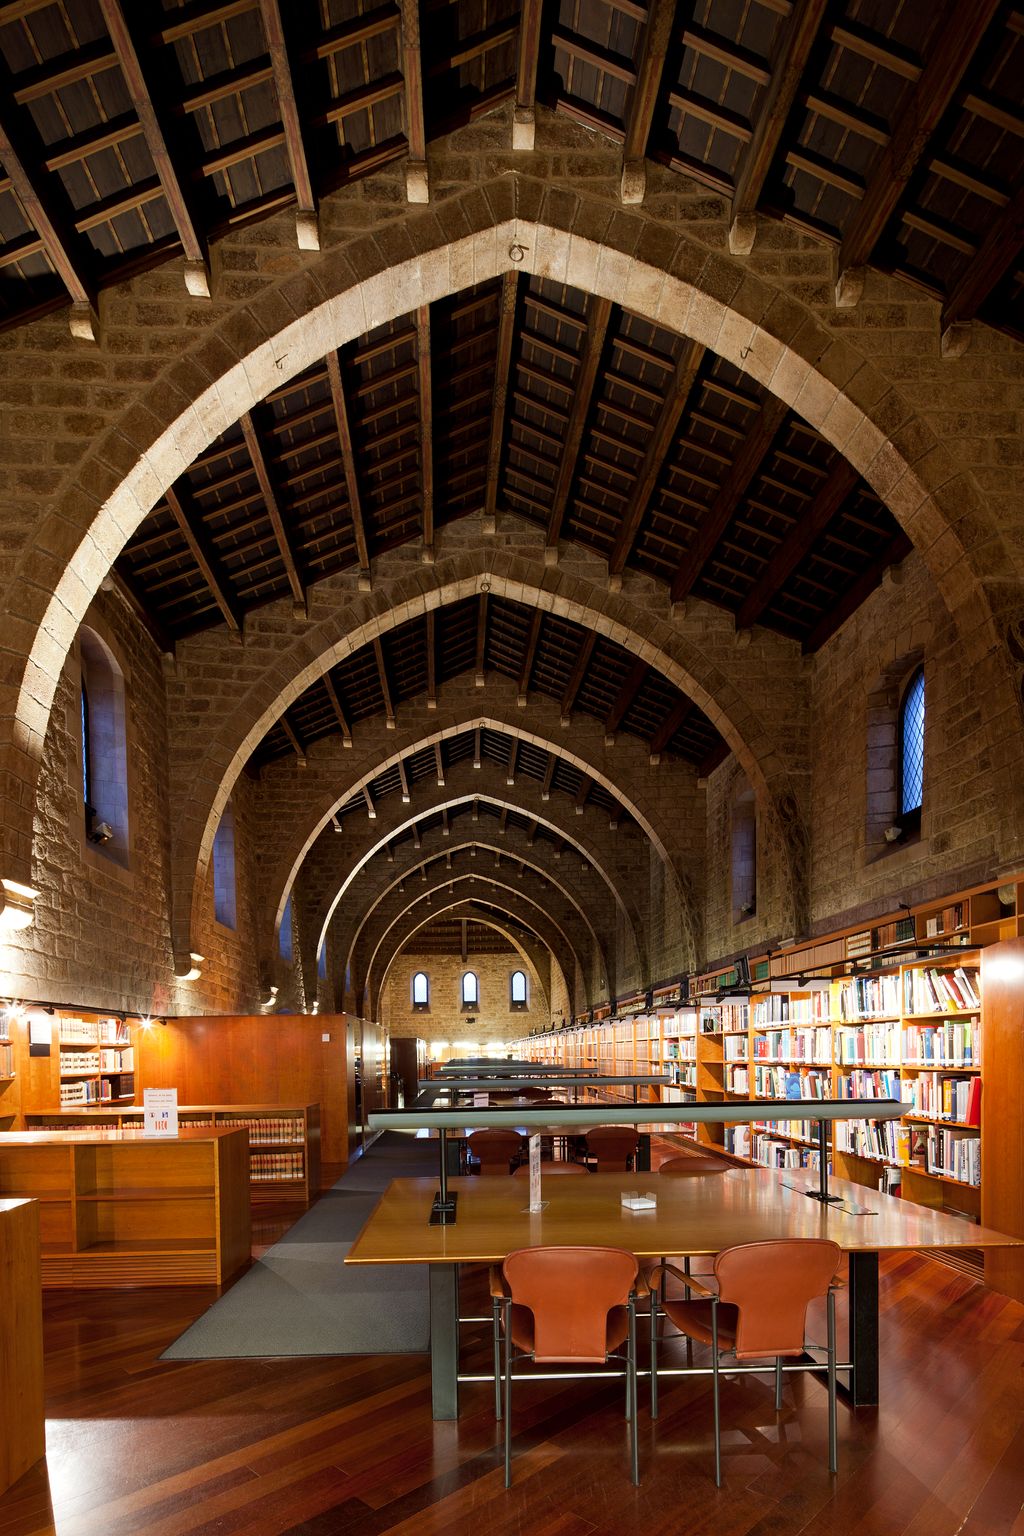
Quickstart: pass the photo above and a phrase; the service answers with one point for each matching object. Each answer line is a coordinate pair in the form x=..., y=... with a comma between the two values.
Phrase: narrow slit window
x=470, y=990
x=517, y=989
x=911, y=747
x=421, y=990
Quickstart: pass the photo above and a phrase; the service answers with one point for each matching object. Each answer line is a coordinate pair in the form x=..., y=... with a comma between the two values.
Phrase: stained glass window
x=911, y=738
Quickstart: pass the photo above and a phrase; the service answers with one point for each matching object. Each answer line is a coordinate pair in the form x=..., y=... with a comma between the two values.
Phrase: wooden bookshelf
x=117, y=1208
x=22, y=1427
x=284, y=1139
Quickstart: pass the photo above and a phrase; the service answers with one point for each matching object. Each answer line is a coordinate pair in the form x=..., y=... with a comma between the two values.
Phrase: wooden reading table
x=694, y=1216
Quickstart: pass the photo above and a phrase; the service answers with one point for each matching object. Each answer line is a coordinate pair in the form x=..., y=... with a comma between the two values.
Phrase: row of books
x=886, y=1140
x=866, y=997
x=869, y=1085
x=945, y=1098
x=273, y=1167
x=734, y=1047
x=775, y=1083
x=953, y=1043
x=769, y=1153
x=813, y=1045
x=929, y=990
x=267, y=1130
x=78, y=1061
x=678, y=1095
x=93, y=1032
x=116, y=1061
x=946, y=921
x=868, y=1042
x=684, y=1049
x=6, y=1060
x=954, y=1155
x=788, y=1008
x=801, y=1130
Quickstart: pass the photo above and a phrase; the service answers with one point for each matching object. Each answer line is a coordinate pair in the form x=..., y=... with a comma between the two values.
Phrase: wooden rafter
x=513, y=759
x=293, y=739
x=56, y=232
x=549, y=774
x=403, y=780
x=339, y=713
x=800, y=35
x=477, y=735
x=143, y=611
x=892, y=552
x=259, y=464
x=385, y=685
x=204, y=552
x=140, y=82
x=502, y=827
x=526, y=670
x=659, y=445
x=998, y=252
x=481, y=641
x=797, y=544
x=371, y=809
x=524, y=110
x=578, y=673
x=417, y=185
x=580, y=802
x=599, y=312
x=661, y=21
x=439, y=764
x=426, y=439
x=291, y=122
x=672, y=722
x=499, y=400
x=631, y=685
x=348, y=459
x=531, y=835
x=431, y=642
x=955, y=43
x=718, y=516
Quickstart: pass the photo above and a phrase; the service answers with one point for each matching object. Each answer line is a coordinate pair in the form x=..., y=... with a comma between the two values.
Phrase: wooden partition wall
x=259, y=1059
x=1002, y=1108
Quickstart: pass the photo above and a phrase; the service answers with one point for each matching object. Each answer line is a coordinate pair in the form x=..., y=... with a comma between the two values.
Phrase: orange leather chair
x=562, y=1306
x=494, y=1150
x=611, y=1147
x=756, y=1310
x=693, y=1163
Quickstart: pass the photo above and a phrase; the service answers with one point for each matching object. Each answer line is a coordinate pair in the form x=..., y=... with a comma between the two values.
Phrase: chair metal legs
x=778, y=1383
x=833, y=1460
x=714, y=1388
x=496, y=1309
x=508, y=1395
x=631, y=1398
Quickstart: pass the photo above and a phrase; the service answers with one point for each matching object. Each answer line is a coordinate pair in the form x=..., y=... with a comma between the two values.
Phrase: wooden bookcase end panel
x=22, y=1426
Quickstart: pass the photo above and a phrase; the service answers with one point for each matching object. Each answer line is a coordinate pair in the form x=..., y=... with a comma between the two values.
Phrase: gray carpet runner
x=299, y=1299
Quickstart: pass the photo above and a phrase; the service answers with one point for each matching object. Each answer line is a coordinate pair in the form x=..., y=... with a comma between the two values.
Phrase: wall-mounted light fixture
x=16, y=904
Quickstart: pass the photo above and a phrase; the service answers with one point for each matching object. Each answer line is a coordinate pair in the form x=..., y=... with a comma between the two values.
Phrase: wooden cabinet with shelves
x=22, y=1427
x=284, y=1139
x=117, y=1208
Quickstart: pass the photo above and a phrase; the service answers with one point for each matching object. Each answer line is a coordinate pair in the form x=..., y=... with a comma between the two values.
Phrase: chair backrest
x=771, y=1286
x=533, y=1093
x=681, y=1166
x=570, y=1292
x=523, y=1171
x=493, y=1148
x=612, y=1145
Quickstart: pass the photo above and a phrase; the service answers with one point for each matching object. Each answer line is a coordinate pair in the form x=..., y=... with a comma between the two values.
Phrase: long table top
x=95, y=1137
x=694, y=1215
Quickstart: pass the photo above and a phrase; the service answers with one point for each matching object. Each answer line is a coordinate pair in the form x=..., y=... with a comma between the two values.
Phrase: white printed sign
x=160, y=1112
x=536, y=1203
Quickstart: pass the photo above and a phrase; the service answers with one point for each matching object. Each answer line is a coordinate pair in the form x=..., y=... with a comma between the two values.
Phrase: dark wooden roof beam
x=307, y=226
x=529, y=655
x=579, y=804
x=631, y=685
x=259, y=464
x=996, y=256
x=643, y=99
x=956, y=42
x=672, y=723
x=513, y=758
x=578, y=673
x=385, y=684
x=855, y=593
x=197, y=17
x=417, y=179
x=64, y=250
x=480, y=675
x=678, y=396
x=403, y=780
x=348, y=459
x=798, y=39
x=293, y=739
x=189, y=520
x=371, y=809
x=524, y=108
x=339, y=713
x=726, y=503
x=439, y=764
x=426, y=429
x=431, y=644
x=549, y=774
x=599, y=313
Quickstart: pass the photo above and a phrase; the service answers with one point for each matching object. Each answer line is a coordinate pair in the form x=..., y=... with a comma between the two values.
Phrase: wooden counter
x=22, y=1438
x=120, y=1208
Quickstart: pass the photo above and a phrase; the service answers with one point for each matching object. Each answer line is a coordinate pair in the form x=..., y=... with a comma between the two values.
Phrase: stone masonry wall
x=444, y=1019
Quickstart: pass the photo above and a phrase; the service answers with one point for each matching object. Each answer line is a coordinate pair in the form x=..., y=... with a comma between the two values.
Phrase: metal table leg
x=864, y=1329
x=444, y=1340
x=643, y=1155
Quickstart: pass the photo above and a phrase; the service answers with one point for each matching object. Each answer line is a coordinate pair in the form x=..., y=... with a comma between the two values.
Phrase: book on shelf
x=954, y=1155
x=801, y=1043
x=973, y=1115
x=949, y=1043
x=867, y=997
x=927, y=989
x=865, y=1084
x=863, y=1043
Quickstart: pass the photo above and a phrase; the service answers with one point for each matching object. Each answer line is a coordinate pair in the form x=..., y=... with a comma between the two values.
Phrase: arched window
x=517, y=989
x=224, y=869
x=104, y=759
x=321, y=963
x=284, y=941
x=743, y=850
x=421, y=990
x=910, y=792
x=470, y=990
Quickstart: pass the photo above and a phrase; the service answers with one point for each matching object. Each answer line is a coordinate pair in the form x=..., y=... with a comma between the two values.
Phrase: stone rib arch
x=376, y=883
x=532, y=952
x=495, y=710
x=443, y=799
x=513, y=901
x=440, y=877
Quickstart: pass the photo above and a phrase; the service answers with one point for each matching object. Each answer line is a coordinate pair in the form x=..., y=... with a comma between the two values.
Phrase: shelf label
x=160, y=1112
